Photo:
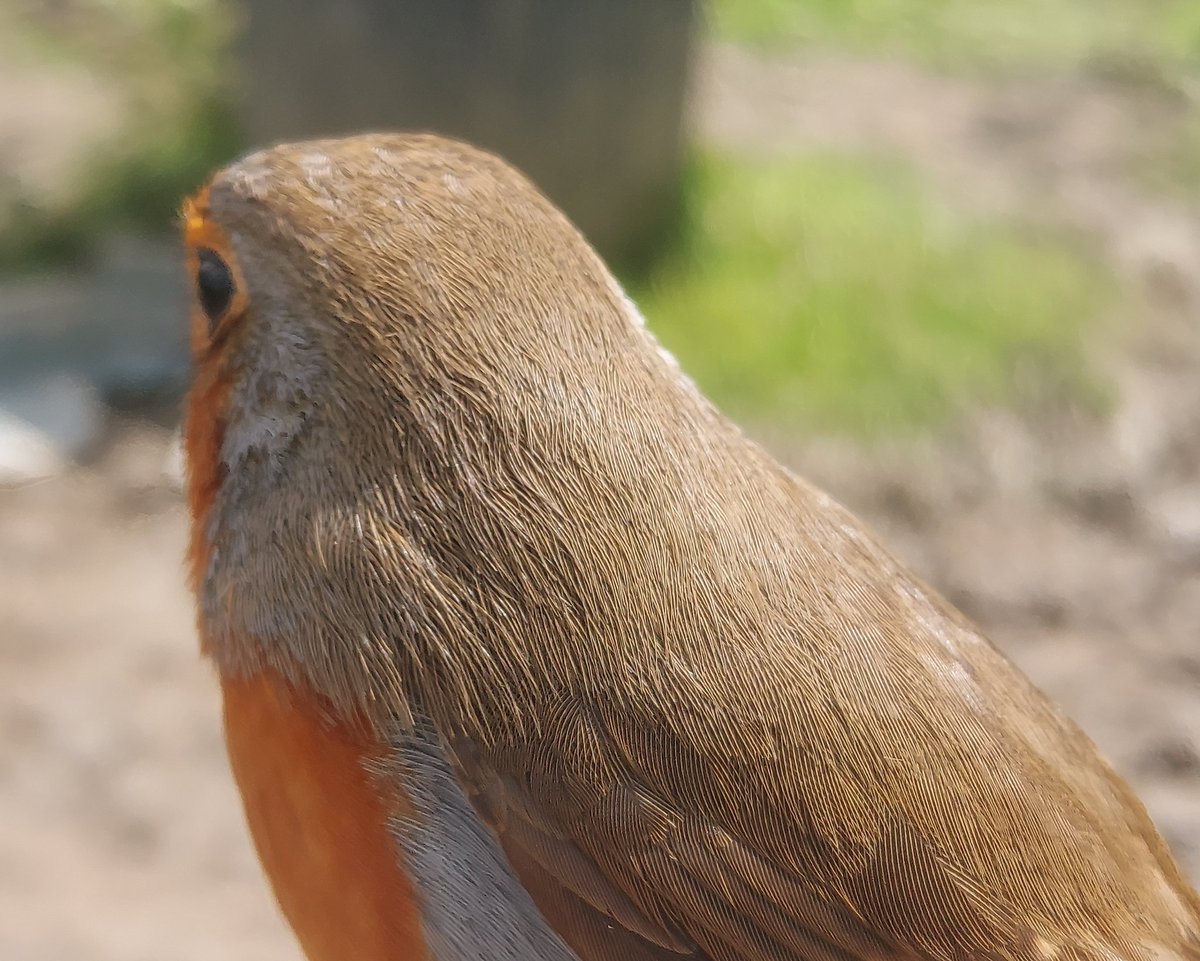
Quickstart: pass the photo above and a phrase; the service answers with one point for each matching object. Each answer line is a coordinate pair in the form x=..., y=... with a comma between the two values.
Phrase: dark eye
x=214, y=283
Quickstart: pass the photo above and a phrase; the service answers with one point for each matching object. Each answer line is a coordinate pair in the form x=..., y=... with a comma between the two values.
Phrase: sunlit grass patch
x=837, y=293
x=974, y=33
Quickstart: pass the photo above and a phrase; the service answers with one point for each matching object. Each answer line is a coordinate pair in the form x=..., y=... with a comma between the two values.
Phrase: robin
x=528, y=654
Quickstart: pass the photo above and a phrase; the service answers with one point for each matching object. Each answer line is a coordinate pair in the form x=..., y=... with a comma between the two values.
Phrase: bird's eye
x=214, y=284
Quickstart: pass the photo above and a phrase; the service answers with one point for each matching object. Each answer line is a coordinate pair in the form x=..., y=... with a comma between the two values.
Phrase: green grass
x=171, y=64
x=835, y=293
x=1158, y=34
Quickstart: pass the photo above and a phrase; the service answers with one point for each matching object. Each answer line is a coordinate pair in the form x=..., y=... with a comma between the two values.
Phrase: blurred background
x=942, y=256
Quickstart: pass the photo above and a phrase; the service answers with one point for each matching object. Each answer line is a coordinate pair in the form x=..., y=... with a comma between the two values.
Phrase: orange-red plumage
x=320, y=824
x=208, y=399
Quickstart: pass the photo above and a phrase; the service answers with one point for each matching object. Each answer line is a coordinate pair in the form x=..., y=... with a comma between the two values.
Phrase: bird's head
x=402, y=352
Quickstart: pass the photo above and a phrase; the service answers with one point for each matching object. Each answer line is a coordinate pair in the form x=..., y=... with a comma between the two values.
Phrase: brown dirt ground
x=1075, y=543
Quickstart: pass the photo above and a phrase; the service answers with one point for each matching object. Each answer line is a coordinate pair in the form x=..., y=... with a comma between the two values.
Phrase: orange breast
x=320, y=824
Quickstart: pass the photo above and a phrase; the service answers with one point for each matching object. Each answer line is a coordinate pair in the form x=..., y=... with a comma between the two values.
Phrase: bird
x=527, y=653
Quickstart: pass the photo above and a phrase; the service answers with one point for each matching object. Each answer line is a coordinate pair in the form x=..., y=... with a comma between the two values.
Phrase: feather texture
x=704, y=712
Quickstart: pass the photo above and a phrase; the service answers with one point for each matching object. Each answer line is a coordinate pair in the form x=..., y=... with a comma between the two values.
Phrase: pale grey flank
x=473, y=906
